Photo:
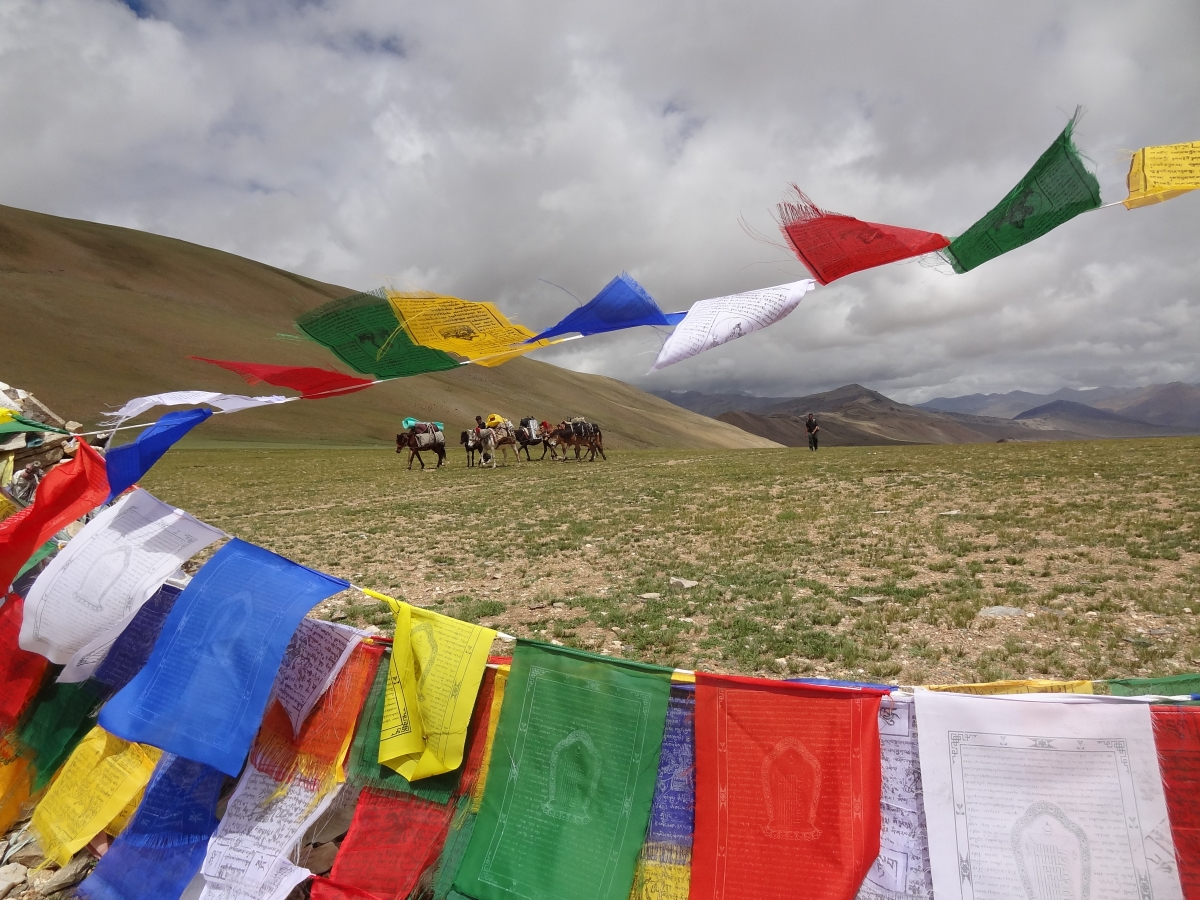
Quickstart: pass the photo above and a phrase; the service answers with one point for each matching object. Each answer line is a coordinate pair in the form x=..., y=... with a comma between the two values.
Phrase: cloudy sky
x=485, y=149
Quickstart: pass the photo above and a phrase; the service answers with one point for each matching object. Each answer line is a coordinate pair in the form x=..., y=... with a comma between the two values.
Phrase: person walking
x=813, y=428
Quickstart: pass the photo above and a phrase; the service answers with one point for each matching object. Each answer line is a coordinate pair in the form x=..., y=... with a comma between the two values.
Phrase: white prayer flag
x=223, y=402
x=315, y=655
x=96, y=584
x=710, y=323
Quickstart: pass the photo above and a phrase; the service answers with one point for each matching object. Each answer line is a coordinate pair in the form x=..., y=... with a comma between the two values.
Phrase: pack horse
x=422, y=436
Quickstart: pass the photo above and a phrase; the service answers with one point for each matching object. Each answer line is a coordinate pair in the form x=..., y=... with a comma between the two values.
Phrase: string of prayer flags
x=203, y=692
x=69, y=490
x=710, y=323
x=131, y=649
x=249, y=855
x=95, y=585
x=1026, y=686
x=129, y=462
x=1177, y=738
x=162, y=848
x=1058, y=188
x=61, y=714
x=224, y=402
x=392, y=842
x=312, y=383
x=102, y=775
x=787, y=779
x=622, y=303
x=475, y=331
x=1044, y=795
x=902, y=867
x=363, y=332
x=832, y=246
x=313, y=659
x=314, y=755
x=1170, y=686
x=1159, y=174
x=436, y=667
x=566, y=815
x=664, y=867
x=21, y=672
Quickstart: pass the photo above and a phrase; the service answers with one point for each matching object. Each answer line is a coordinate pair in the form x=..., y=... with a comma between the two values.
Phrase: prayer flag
x=14, y=786
x=204, y=689
x=710, y=323
x=1058, y=188
x=61, y=715
x=311, y=383
x=95, y=585
x=565, y=815
x=68, y=491
x=160, y=851
x=1177, y=738
x=501, y=680
x=314, y=658
x=787, y=780
x=475, y=331
x=102, y=775
x=21, y=672
x=16, y=423
x=622, y=303
x=132, y=647
x=436, y=667
x=664, y=867
x=1169, y=686
x=129, y=462
x=224, y=402
x=364, y=333
x=832, y=245
x=1028, y=686
x=1158, y=174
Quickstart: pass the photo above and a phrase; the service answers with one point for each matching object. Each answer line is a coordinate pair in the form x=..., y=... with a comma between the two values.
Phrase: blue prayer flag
x=129, y=462
x=132, y=647
x=203, y=692
x=622, y=304
x=672, y=814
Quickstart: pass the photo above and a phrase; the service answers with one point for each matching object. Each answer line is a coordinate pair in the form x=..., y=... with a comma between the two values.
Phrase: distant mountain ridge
x=1174, y=405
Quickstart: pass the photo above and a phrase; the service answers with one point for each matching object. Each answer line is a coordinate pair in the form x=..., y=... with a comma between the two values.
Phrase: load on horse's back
x=582, y=435
x=422, y=436
x=530, y=432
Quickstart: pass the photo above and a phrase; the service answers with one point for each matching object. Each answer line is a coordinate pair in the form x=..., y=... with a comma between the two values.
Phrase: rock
x=867, y=599
x=12, y=877
x=68, y=876
x=781, y=664
x=28, y=853
x=683, y=582
x=1000, y=612
x=951, y=512
x=336, y=820
x=338, y=616
x=649, y=596
x=319, y=859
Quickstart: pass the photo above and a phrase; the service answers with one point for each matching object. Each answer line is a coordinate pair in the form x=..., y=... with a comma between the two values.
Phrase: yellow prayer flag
x=94, y=785
x=433, y=679
x=1157, y=174
x=14, y=790
x=474, y=331
x=1030, y=686
x=6, y=470
x=493, y=721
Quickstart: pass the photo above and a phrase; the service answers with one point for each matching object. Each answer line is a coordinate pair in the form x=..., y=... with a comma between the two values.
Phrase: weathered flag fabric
x=1177, y=738
x=566, y=814
x=1158, y=174
x=69, y=490
x=832, y=245
x=60, y=715
x=622, y=303
x=473, y=330
x=203, y=692
x=162, y=848
x=129, y=462
x=787, y=780
x=1168, y=685
x=711, y=323
x=1058, y=188
x=364, y=333
x=223, y=402
x=312, y=383
x=21, y=672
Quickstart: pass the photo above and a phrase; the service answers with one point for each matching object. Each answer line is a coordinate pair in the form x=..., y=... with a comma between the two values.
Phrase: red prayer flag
x=310, y=382
x=832, y=245
x=787, y=784
x=20, y=671
x=1177, y=737
x=68, y=491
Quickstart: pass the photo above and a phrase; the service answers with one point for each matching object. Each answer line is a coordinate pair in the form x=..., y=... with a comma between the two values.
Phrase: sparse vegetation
x=863, y=562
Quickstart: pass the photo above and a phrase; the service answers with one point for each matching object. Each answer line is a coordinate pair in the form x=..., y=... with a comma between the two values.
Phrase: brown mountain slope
x=95, y=314
x=1174, y=405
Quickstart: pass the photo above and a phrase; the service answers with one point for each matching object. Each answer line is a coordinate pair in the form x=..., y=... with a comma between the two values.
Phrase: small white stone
x=649, y=596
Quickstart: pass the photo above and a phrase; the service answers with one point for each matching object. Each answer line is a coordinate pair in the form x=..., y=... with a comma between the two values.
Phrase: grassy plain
x=861, y=562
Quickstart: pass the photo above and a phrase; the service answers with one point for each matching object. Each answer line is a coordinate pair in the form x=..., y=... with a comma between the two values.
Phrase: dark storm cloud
x=477, y=148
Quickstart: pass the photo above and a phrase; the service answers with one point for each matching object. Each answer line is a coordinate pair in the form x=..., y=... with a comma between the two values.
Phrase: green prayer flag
x=42, y=552
x=572, y=778
x=20, y=423
x=61, y=715
x=1171, y=686
x=365, y=334
x=364, y=769
x=462, y=826
x=1057, y=188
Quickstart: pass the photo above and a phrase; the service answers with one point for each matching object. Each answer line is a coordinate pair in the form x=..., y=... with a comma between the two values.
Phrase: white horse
x=489, y=440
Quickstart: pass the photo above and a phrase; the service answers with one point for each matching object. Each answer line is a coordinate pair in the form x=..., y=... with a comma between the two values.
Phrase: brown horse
x=410, y=441
x=585, y=436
